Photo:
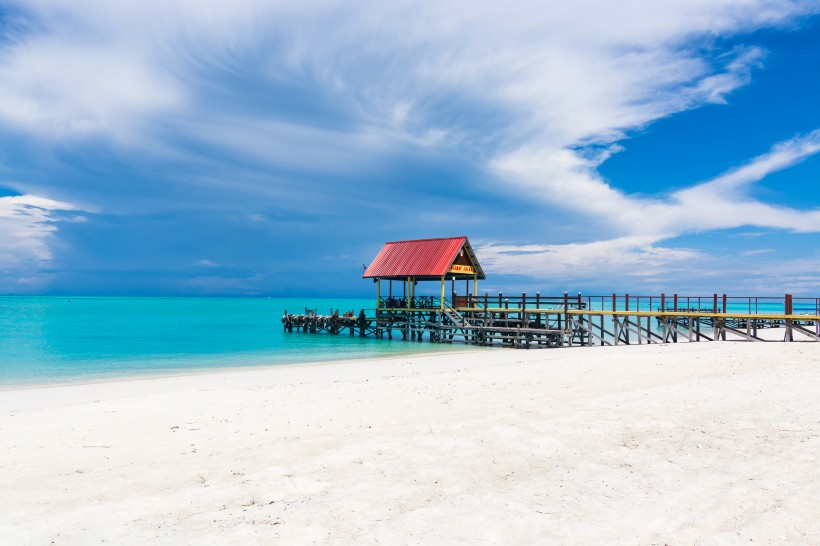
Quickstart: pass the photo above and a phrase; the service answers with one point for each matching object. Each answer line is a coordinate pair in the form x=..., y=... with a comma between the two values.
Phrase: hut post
x=475, y=286
x=442, y=293
x=378, y=293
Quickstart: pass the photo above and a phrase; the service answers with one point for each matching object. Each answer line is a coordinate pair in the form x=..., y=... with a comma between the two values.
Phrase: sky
x=267, y=148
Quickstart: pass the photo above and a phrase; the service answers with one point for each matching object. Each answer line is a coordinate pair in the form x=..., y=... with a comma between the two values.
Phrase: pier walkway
x=566, y=321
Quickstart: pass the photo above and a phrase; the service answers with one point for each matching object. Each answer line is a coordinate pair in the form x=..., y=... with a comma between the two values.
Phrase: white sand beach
x=697, y=443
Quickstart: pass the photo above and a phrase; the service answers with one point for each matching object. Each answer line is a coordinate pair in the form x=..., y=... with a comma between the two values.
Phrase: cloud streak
x=720, y=203
x=257, y=98
x=28, y=224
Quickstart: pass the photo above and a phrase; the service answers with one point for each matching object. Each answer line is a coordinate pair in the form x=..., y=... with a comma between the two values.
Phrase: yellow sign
x=462, y=269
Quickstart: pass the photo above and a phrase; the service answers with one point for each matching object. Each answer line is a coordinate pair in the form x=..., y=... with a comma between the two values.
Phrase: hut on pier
x=434, y=260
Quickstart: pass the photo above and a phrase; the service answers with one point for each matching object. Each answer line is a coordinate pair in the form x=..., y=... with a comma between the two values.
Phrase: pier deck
x=543, y=322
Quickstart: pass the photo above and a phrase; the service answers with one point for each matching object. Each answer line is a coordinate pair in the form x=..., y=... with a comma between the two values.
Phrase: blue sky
x=270, y=148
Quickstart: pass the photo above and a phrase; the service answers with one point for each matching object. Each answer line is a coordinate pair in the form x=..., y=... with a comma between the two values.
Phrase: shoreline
x=194, y=371
x=771, y=335
x=696, y=442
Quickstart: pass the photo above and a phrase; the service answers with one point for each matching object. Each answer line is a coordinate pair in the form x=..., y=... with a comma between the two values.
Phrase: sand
x=697, y=443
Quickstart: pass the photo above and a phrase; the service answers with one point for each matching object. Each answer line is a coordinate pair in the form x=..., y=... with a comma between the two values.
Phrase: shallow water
x=60, y=339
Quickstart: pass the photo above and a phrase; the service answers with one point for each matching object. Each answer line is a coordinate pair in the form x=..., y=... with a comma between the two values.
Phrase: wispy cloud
x=100, y=65
x=721, y=203
x=629, y=254
x=28, y=224
x=62, y=90
x=536, y=98
x=725, y=200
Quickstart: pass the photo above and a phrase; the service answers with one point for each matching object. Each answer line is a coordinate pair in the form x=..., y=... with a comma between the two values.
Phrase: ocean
x=47, y=340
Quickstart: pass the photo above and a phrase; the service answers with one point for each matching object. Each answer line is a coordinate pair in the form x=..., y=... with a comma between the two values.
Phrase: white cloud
x=626, y=256
x=58, y=89
x=721, y=203
x=584, y=70
x=521, y=88
x=733, y=183
x=724, y=202
x=757, y=251
x=27, y=225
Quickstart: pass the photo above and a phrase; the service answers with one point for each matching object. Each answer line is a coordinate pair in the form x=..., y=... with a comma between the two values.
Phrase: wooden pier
x=567, y=321
x=526, y=321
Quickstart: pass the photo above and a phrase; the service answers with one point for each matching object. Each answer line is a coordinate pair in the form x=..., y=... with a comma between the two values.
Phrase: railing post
x=789, y=310
x=581, y=321
x=615, y=333
x=664, y=324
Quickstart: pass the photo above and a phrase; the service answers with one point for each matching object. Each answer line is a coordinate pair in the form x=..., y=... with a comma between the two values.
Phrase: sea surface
x=46, y=340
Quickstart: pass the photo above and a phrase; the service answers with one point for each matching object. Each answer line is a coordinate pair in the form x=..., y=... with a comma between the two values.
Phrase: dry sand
x=702, y=443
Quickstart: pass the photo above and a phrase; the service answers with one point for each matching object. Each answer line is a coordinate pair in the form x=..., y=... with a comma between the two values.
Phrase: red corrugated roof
x=419, y=258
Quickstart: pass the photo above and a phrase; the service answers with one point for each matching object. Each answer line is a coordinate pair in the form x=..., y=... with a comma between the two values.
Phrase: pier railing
x=714, y=303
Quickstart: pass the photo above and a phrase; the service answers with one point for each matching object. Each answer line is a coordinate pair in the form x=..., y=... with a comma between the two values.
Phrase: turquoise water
x=59, y=340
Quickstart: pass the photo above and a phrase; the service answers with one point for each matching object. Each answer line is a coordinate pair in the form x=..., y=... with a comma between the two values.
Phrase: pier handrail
x=674, y=303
